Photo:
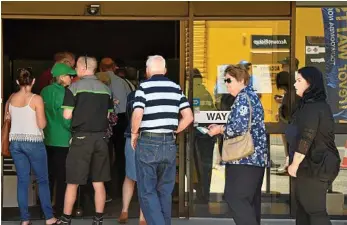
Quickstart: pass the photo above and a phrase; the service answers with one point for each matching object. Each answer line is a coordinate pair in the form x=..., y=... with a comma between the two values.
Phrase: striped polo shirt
x=90, y=101
x=161, y=100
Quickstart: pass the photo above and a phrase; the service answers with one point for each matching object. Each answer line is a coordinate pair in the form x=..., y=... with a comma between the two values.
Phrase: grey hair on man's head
x=156, y=63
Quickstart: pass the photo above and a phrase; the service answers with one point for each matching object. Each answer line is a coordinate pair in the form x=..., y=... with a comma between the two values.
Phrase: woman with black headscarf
x=314, y=158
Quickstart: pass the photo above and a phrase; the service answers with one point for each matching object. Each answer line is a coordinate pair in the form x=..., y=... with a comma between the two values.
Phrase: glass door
x=264, y=45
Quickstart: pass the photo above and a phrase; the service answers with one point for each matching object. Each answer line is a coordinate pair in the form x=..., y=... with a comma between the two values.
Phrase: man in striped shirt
x=158, y=104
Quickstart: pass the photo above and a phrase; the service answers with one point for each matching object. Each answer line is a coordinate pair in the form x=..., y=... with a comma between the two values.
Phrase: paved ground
x=195, y=221
x=277, y=183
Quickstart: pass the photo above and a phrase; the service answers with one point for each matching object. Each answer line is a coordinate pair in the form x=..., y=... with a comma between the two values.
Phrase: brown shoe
x=142, y=222
x=123, y=218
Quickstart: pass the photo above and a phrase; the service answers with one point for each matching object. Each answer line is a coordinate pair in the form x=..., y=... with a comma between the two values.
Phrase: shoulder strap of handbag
x=250, y=112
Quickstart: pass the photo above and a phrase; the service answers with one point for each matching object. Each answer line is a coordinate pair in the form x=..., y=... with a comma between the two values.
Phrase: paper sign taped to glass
x=221, y=88
x=261, y=78
x=211, y=116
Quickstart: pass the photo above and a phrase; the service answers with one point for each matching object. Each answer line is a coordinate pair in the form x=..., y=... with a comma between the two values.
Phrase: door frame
x=272, y=128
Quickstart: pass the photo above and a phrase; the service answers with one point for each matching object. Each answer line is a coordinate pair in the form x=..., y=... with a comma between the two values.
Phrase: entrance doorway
x=32, y=43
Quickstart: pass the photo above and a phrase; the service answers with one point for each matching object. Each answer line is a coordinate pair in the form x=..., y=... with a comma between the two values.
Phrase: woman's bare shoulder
x=37, y=99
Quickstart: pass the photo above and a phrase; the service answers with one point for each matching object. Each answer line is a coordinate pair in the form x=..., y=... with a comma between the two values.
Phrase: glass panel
x=337, y=201
x=216, y=44
x=321, y=42
x=319, y=47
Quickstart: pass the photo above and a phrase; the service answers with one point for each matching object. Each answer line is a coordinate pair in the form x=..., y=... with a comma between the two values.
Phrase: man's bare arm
x=136, y=120
x=68, y=114
x=187, y=118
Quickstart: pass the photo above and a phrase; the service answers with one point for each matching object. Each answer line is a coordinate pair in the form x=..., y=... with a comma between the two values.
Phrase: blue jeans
x=156, y=170
x=27, y=155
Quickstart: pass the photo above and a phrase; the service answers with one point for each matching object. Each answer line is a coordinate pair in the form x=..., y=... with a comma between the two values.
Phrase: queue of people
x=78, y=130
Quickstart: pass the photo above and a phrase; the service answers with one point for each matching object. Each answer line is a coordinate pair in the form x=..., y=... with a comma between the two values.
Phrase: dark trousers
x=118, y=139
x=56, y=157
x=243, y=193
x=203, y=159
x=310, y=197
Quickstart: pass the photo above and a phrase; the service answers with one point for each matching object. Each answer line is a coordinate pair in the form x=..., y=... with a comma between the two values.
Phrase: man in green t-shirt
x=57, y=131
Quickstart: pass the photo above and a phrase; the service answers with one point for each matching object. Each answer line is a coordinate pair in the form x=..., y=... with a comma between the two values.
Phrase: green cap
x=62, y=69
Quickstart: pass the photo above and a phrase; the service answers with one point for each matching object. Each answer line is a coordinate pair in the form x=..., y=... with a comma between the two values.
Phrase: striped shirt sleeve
x=140, y=99
x=183, y=102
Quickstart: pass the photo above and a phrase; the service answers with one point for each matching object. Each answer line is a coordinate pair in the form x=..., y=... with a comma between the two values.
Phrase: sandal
x=21, y=222
x=57, y=222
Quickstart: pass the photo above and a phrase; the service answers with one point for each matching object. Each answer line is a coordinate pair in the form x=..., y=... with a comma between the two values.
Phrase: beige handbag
x=241, y=146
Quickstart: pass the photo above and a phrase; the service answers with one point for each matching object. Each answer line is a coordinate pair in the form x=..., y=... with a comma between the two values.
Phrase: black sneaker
x=97, y=221
x=63, y=220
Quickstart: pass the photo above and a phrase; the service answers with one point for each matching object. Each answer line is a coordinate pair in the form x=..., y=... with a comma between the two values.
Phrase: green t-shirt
x=200, y=92
x=58, y=129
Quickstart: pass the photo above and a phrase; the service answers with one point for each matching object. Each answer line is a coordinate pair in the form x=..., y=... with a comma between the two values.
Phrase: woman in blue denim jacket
x=244, y=177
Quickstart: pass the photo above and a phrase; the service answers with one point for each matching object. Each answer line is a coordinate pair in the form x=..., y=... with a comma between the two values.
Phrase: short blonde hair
x=58, y=80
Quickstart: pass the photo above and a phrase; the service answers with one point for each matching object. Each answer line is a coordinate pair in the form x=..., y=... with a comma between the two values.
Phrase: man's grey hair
x=156, y=63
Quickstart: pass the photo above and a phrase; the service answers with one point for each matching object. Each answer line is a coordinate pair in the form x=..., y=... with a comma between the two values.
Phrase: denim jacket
x=237, y=125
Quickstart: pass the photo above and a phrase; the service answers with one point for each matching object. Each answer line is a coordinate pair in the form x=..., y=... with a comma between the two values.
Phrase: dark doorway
x=34, y=42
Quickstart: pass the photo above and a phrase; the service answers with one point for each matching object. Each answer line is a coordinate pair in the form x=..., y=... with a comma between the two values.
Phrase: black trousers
x=243, y=193
x=203, y=159
x=56, y=157
x=310, y=195
x=118, y=139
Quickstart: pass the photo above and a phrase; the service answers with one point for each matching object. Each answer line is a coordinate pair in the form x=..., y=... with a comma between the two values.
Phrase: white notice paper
x=221, y=87
x=261, y=79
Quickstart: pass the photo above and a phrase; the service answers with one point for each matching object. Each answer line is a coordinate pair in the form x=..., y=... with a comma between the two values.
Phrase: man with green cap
x=57, y=131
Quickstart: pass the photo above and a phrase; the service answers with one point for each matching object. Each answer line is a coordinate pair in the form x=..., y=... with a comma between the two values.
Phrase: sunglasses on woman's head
x=228, y=80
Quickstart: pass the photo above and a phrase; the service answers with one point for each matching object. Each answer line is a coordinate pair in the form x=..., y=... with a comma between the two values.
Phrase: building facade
x=212, y=35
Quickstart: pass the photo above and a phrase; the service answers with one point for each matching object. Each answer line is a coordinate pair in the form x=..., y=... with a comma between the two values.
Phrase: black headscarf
x=316, y=91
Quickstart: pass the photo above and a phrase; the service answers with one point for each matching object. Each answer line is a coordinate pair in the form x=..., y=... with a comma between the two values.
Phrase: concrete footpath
x=195, y=221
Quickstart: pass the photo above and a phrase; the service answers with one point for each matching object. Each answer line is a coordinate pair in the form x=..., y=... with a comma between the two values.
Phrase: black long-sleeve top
x=311, y=132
